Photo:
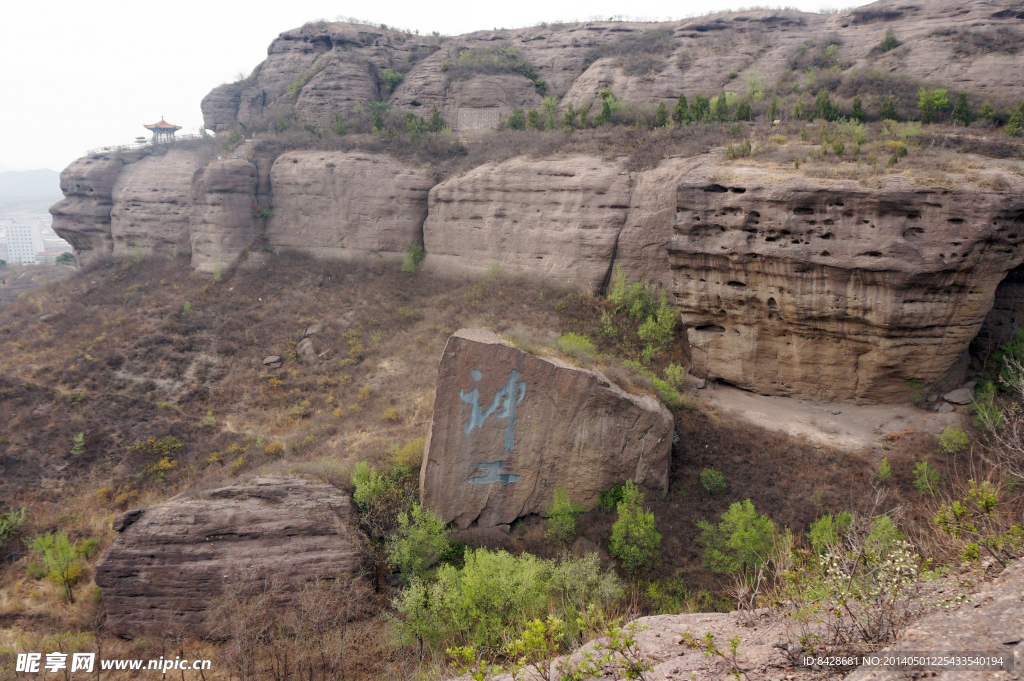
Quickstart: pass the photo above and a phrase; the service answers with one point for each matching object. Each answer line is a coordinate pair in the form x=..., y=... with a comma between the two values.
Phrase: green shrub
x=701, y=109
x=10, y=523
x=420, y=541
x=576, y=345
x=391, y=79
x=740, y=543
x=368, y=483
x=634, y=542
x=561, y=517
x=926, y=478
x=826, y=531
x=774, y=108
x=884, y=470
x=887, y=109
x=953, y=440
x=79, y=444
x=987, y=111
x=661, y=116
x=533, y=120
x=608, y=500
x=713, y=481
x=414, y=255
x=681, y=112
x=889, y=42
x=675, y=374
x=974, y=519
x=60, y=559
x=339, y=126
x=961, y=113
x=857, y=113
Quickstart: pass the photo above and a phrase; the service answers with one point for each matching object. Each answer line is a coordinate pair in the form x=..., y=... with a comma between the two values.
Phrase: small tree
x=681, y=114
x=740, y=543
x=773, y=109
x=961, y=114
x=889, y=42
x=339, y=126
x=743, y=111
x=61, y=560
x=420, y=541
x=661, y=116
x=436, y=123
x=823, y=106
x=857, y=113
x=550, y=105
x=414, y=255
x=701, y=109
x=721, y=107
x=987, y=111
x=532, y=119
x=64, y=259
x=634, y=541
x=887, y=109
x=517, y=119
x=561, y=516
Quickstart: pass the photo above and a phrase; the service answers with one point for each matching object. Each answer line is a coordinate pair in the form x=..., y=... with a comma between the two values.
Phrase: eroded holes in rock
x=847, y=213
x=956, y=221
x=825, y=254
x=827, y=236
x=914, y=215
x=736, y=284
x=729, y=210
x=829, y=222
x=738, y=190
x=803, y=210
x=769, y=238
x=796, y=241
x=873, y=254
x=710, y=328
x=773, y=305
x=811, y=222
x=716, y=189
x=785, y=232
x=912, y=232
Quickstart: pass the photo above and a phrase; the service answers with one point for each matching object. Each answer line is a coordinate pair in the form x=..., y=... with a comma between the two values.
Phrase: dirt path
x=843, y=426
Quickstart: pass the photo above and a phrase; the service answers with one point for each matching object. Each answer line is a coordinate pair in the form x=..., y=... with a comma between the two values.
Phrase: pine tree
x=721, y=108
x=926, y=104
x=773, y=109
x=701, y=109
x=987, y=111
x=858, y=110
x=961, y=114
x=661, y=116
x=681, y=114
x=887, y=110
x=436, y=122
x=634, y=541
x=744, y=112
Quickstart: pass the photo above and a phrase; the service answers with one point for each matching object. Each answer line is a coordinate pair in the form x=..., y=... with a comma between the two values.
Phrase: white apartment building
x=26, y=238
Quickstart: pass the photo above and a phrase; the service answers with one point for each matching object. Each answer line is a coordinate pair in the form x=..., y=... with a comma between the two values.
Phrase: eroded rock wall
x=168, y=568
x=223, y=222
x=554, y=217
x=509, y=427
x=152, y=205
x=796, y=286
x=82, y=218
x=347, y=205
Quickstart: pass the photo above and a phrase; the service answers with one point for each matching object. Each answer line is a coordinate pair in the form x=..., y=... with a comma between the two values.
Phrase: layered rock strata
x=558, y=218
x=223, y=219
x=509, y=427
x=82, y=218
x=168, y=567
x=347, y=205
x=797, y=286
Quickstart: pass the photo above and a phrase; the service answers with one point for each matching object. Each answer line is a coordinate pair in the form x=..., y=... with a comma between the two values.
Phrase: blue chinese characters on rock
x=508, y=399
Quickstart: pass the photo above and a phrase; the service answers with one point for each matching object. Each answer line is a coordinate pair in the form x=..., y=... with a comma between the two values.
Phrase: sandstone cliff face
x=222, y=223
x=153, y=205
x=168, y=567
x=555, y=217
x=509, y=427
x=791, y=285
x=347, y=205
x=344, y=62
x=83, y=217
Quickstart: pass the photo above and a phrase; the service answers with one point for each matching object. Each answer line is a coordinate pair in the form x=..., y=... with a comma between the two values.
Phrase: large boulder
x=168, y=567
x=509, y=427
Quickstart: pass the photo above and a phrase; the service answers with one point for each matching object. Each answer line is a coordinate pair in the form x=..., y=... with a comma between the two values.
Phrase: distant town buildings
x=30, y=239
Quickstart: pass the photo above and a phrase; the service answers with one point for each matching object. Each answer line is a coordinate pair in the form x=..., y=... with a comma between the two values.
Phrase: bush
x=634, y=541
x=420, y=541
x=889, y=42
x=740, y=543
x=701, y=109
x=368, y=483
x=953, y=440
x=60, y=559
x=608, y=500
x=975, y=520
x=576, y=345
x=10, y=524
x=961, y=113
x=391, y=79
x=561, y=517
x=884, y=470
x=826, y=531
x=887, y=109
x=414, y=255
x=926, y=478
x=681, y=113
x=712, y=480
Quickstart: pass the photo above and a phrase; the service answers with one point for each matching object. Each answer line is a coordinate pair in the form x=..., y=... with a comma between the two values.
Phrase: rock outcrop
x=169, y=566
x=509, y=427
x=555, y=217
x=83, y=217
x=797, y=286
x=347, y=205
x=152, y=207
x=223, y=221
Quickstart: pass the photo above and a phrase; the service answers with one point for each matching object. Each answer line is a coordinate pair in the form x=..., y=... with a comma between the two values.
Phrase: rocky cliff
x=834, y=281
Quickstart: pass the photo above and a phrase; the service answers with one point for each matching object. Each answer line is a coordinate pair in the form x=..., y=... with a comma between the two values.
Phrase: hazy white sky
x=82, y=74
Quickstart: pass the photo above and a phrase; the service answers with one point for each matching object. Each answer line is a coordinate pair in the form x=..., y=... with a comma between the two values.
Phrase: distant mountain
x=29, y=191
